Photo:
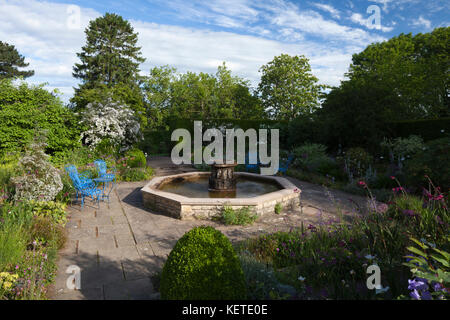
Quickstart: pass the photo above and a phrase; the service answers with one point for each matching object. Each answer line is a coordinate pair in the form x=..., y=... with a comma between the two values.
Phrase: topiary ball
x=203, y=266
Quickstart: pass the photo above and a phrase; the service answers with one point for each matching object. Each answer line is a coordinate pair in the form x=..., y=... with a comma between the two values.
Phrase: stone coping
x=288, y=188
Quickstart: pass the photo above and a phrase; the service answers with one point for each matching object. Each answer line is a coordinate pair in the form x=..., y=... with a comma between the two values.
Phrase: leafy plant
x=431, y=268
x=242, y=216
x=136, y=174
x=135, y=158
x=278, y=208
x=37, y=178
x=202, y=265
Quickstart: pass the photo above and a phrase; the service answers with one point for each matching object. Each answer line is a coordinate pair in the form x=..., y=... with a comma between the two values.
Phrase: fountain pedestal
x=222, y=178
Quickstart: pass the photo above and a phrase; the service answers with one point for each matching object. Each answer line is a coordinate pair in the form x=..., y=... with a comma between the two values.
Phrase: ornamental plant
x=203, y=266
x=430, y=267
x=110, y=121
x=37, y=178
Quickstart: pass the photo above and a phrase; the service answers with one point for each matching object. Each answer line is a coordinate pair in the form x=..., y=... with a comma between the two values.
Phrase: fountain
x=222, y=178
x=203, y=194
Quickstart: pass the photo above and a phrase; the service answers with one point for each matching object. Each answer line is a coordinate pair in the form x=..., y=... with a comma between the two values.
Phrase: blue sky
x=200, y=35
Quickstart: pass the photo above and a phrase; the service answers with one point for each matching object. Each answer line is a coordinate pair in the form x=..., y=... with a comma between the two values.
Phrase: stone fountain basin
x=186, y=208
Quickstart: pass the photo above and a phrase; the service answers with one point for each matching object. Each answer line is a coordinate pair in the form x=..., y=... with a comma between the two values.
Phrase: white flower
x=370, y=257
x=301, y=278
x=352, y=272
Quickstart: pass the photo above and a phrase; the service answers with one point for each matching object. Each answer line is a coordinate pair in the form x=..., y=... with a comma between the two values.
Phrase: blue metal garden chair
x=104, y=177
x=285, y=165
x=251, y=166
x=102, y=170
x=84, y=185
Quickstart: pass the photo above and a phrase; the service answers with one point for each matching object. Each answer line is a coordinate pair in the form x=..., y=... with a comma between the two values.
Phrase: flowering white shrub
x=111, y=120
x=39, y=180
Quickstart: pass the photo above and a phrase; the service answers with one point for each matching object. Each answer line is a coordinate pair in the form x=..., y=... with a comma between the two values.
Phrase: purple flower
x=415, y=295
x=418, y=284
x=426, y=295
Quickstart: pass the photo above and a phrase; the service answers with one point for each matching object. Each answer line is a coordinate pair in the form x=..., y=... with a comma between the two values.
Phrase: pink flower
x=392, y=177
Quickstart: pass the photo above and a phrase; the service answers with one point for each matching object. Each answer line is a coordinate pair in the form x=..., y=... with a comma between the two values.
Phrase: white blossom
x=112, y=121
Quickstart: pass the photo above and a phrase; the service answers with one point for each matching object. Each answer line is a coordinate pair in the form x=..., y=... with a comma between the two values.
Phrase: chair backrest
x=73, y=174
x=100, y=165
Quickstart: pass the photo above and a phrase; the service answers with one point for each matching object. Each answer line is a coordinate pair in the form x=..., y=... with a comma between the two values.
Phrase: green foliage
x=260, y=279
x=401, y=149
x=28, y=248
x=203, y=266
x=357, y=162
x=312, y=158
x=36, y=177
x=278, y=208
x=430, y=162
x=428, y=129
x=110, y=55
x=136, y=158
x=429, y=218
x=55, y=211
x=25, y=108
x=356, y=114
x=44, y=229
x=288, y=88
x=242, y=216
x=202, y=95
x=414, y=68
x=11, y=61
x=136, y=174
x=432, y=264
x=12, y=244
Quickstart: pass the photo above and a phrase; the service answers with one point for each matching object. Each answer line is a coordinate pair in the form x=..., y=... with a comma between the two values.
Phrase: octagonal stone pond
x=187, y=196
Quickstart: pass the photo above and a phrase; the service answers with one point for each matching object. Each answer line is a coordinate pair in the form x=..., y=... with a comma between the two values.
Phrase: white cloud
x=40, y=32
x=421, y=22
x=359, y=19
x=325, y=7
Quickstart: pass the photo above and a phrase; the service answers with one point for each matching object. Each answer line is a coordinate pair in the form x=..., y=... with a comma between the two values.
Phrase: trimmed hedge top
x=203, y=266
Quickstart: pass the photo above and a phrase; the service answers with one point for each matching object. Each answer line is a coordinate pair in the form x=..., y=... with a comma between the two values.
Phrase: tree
x=202, y=96
x=25, y=108
x=412, y=68
x=110, y=55
x=356, y=114
x=10, y=61
x=288, y=88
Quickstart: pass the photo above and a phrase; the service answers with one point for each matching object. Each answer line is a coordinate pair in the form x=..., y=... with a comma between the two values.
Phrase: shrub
x=309, y=156
x=25, y=108
x=38, y=179
x=402, y=149
x=260, y=279
x=47, y=232
x=430, y=162
x=357, y=162
x=202, y=266
x=56, y=211
x=136, y=174
x=112, y=121
x=243, y=216
x=136, y=158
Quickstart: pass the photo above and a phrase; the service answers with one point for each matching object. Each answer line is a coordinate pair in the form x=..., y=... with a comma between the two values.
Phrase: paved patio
x=121, y=245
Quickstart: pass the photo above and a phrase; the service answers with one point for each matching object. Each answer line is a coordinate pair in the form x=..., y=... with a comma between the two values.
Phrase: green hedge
x=428, y=129
x=159, y=141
